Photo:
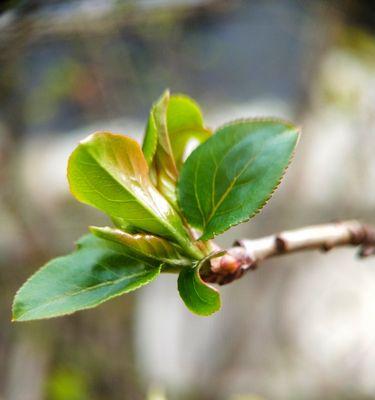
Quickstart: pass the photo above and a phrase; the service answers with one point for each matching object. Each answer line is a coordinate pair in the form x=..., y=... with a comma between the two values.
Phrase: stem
x=247, y=254
x=203, y=247
x=191, y=249
x=172, y=269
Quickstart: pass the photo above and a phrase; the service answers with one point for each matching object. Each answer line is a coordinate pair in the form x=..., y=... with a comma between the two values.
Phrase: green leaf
x=164, y=167
x=174, y=128
x=149, y=248
x=198, y=296
x=230, y=177
x=185, y=127
x=150, y=140
x=123, y=225
x=96, y=272
x=109, y=172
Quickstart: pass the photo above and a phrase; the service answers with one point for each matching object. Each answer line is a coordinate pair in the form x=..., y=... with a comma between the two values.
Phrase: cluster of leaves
x=166, y=200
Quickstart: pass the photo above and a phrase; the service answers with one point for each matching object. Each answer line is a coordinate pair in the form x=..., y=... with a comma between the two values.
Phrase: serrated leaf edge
x=78, y=246
x=297, y=130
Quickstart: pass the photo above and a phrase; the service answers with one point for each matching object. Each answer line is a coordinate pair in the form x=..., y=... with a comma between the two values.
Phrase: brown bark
x=248, y=254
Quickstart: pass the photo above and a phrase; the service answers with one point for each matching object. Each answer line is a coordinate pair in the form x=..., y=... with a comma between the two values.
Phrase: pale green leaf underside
x=96, y=272
x=150, y=140
x=151, y=249
x=185, y=127
x=156, y=125
x=109, y=172
x=164, y=166
x=231, y=176
x=180, y=118
x=198, y=296
x=174, y=128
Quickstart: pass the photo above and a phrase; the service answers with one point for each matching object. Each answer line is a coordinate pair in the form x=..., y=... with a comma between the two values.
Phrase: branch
x=247, y=254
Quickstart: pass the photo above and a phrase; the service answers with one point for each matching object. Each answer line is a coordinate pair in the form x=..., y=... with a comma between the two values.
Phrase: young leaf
x=109, y=172
x=96, y=272
x=163, y=167
x=230, y=177
x=175, y=125
x=198, y=296
x=150, y=140
x=123, y=225
x=152, y=249
x=185, y=127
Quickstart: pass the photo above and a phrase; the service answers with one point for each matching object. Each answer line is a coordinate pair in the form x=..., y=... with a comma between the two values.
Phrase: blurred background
x=301, y=327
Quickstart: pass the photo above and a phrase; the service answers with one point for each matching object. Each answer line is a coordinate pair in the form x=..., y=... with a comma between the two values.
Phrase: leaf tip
x=16, y=319
x=16, y=316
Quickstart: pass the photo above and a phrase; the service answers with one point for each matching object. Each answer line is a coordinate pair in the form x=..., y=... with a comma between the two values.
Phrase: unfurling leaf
x=174, y=128
x=198, y=296
x=231, y=176
x=96, y=272
x=152, y=249
x=185, y=126
x=109, y=172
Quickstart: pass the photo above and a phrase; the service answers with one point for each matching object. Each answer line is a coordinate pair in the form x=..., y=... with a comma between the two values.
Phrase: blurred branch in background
x=92, y=18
